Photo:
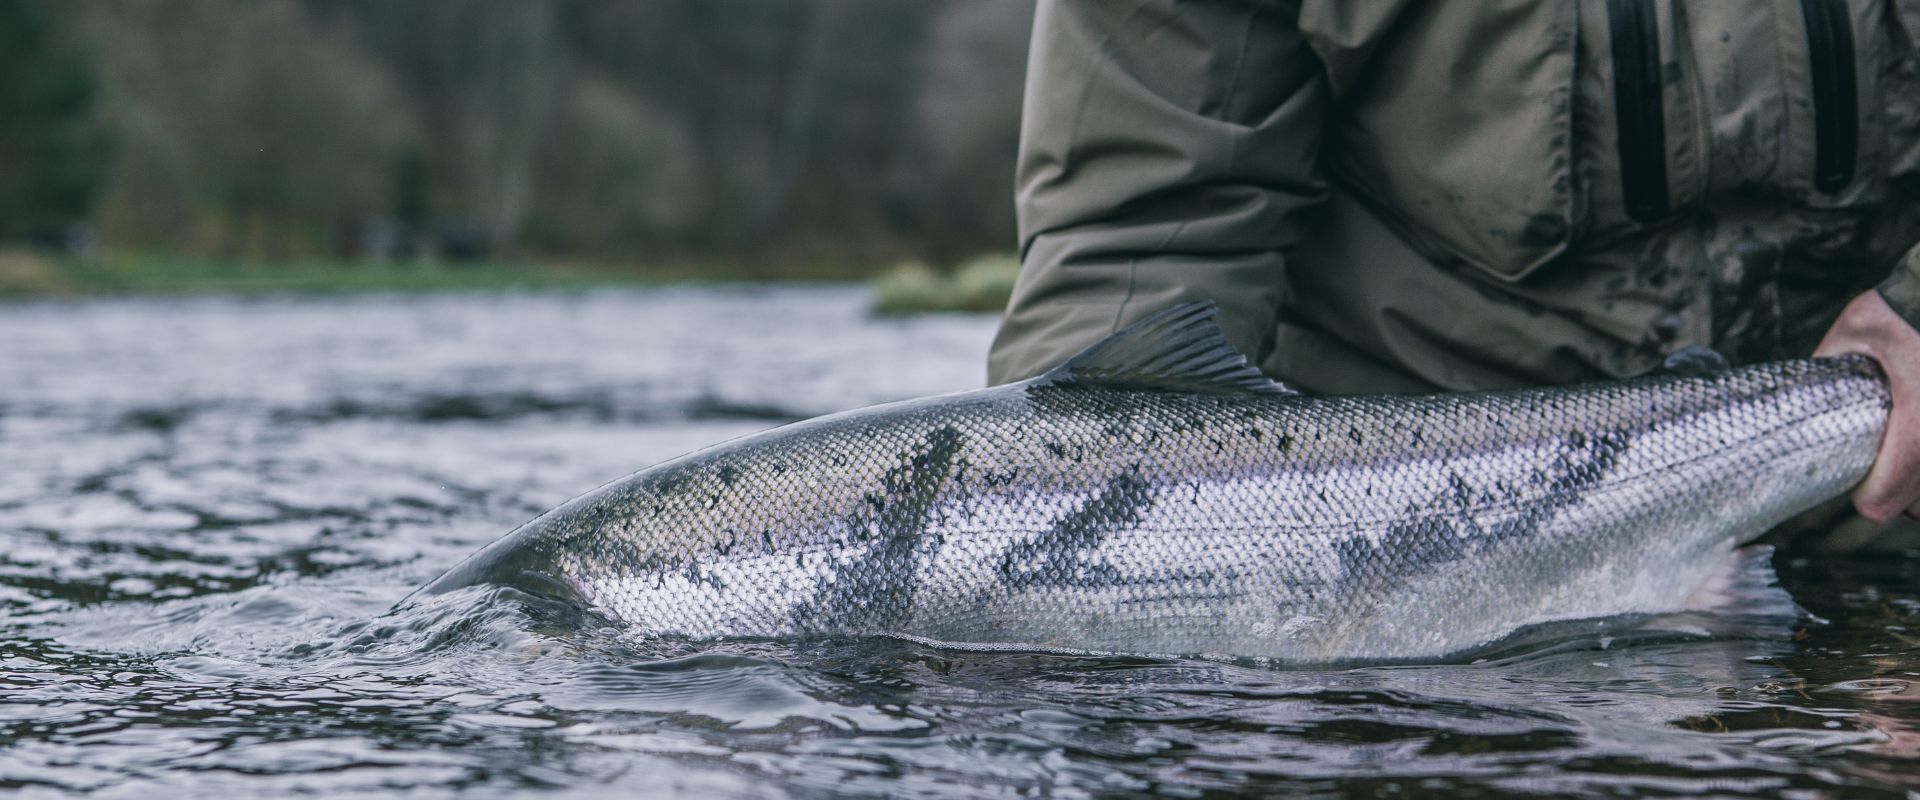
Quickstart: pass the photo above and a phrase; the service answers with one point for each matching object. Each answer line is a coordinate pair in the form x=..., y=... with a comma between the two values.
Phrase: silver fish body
x=1153, y=497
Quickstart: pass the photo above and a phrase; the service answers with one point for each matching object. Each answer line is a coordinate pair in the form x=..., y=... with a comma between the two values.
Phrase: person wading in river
x=1391, y=196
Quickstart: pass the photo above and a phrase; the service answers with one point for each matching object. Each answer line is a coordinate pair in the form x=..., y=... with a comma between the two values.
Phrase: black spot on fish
x=728, y=474
x=1353, y=432
x=1285, y=444
x=1462, y=491
x=693, y=571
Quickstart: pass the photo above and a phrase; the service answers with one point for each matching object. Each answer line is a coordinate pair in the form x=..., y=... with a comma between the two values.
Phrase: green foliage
x=615, y=178
x=22, y=273
x=50, y=150
x=982, y=284
x=246, y=131
x=780, y=137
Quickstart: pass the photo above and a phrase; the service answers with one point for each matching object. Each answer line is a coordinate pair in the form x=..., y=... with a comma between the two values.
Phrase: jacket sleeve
x=1901, y=290
x=1167, y=150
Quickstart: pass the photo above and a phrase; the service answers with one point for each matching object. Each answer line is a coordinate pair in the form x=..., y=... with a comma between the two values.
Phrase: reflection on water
x=208, y=507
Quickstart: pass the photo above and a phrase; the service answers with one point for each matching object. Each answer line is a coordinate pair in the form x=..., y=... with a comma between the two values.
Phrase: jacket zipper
x=1639, y=108
x=1836, y=122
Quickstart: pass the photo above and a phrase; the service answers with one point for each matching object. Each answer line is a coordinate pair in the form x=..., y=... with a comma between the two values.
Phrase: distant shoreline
x=978, y=286
x=25, y=275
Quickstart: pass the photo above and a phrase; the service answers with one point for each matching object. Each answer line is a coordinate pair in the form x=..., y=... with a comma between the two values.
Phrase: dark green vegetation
x=51, y=150
x=979, y=285
x=982, y=284
x=23, y=275
x=760, y=139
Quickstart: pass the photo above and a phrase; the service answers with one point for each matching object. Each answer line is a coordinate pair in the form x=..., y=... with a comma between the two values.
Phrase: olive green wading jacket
x=1395, y=196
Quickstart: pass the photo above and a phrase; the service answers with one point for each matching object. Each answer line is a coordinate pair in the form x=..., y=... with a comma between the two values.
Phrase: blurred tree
x=719, y=67
x=411, y=207
x=967, y=119
x=51, y=150
x=770, y=134
x=841, y=187
x=486, y=78
x=615, y=178
x=799, y=113
x=248, y=130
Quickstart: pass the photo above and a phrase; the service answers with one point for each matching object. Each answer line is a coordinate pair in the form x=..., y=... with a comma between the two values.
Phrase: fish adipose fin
x=1693, y=361
x=1181, y=349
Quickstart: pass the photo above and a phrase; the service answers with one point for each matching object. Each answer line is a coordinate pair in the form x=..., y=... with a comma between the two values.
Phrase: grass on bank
x=24, y=274
x=982, y=284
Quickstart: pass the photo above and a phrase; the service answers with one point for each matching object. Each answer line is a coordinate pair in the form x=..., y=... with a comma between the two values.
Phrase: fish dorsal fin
x=1180, y=349
x=1693, y=361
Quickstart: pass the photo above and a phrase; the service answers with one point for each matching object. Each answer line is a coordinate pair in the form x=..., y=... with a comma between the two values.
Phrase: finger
x=1857, y=329
x=1893, y=484
x=1868, y=326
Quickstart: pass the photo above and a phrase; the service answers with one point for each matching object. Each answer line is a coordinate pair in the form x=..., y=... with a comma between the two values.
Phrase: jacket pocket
x=1459, y=135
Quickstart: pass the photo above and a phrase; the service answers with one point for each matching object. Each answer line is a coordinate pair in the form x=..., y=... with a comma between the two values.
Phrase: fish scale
x=1156, y=495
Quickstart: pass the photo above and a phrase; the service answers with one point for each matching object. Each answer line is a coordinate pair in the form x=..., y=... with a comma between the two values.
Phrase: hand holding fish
x=1870, y=327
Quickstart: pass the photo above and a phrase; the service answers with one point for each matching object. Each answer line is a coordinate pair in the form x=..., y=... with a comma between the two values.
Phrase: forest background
x=749, y=139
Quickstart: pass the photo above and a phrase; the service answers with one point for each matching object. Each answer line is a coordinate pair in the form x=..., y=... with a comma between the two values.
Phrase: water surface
x=208, y=507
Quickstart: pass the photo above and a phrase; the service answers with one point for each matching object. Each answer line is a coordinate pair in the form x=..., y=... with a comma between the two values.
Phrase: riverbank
x=979, y=285
x=24, y=274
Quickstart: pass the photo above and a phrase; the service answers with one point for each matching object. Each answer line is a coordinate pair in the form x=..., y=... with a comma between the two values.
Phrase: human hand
x=1868, y=326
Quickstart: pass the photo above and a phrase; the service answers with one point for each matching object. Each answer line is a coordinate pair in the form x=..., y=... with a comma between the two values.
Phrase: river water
x=208, y=508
